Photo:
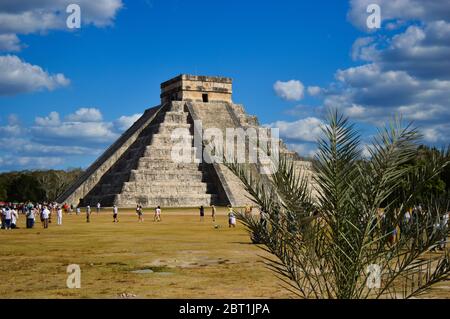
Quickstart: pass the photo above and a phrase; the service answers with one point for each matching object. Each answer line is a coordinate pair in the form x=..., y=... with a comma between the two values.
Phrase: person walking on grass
x=14, y=218
x=115, y=213
x=59, y=215
x=7, y=218
x=213, y=213
x=231, y=217
x=202, y=213
x=139, y=213
x=2, y=217
x=157, y=217
x=45, y=216
x=248, y=210
x=98, y=207
x=31, y=218
x=88, y=214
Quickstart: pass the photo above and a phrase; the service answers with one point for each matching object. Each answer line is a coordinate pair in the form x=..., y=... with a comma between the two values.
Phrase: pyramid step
x=175, y=117
x=167, y=190
x=168, y=128
x=146, y=163
x=171, y=153
x=177, y=106
x=144, y=176
x=162, y=139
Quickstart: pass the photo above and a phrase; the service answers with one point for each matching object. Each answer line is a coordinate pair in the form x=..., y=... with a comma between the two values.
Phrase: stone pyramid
x=139, y=169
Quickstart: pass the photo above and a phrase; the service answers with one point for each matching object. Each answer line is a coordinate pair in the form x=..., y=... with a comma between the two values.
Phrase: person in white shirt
x=88, y=214
x=157, y=216
x=45, y=215
x=115, y=213
x=14, y=218
x=59, y=214
x=98, y=207
x=7, y=218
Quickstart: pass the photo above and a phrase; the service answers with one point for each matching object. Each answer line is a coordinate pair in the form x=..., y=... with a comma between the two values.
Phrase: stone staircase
x=147, y=175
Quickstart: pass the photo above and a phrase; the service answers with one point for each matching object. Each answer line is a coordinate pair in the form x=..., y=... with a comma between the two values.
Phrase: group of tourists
x=404, y=223
x=231, y=214
x=10, y=214
x=47, y=212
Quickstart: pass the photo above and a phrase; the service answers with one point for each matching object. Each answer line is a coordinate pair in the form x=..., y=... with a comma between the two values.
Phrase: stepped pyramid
x=138, y=168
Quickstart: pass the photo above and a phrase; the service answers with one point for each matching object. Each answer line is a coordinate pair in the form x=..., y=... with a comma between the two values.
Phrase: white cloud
x=124, y=122
x=75, y=132
x=51, y=120
x=40, y=16
x=308, y=129
x=406, y=70
x=17, y=76
x=308, y=150
x=51, y=141
x=85, y=127
x=12, y=128
x=364, y=49
x=393, y=10
x=24, y=147
x=29, y=162
x=292, y=90
x=85, y=115
x=355, y=111
x=9, y=42
x=314, y=90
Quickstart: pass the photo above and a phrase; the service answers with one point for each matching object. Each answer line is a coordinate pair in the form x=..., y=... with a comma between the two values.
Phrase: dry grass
x=190, y=259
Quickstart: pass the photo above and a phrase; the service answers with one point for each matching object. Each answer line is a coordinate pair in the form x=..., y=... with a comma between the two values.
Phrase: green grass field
x=189, y=259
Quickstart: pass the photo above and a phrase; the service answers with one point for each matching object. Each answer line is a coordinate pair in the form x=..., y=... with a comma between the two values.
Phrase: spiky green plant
x=344, y=234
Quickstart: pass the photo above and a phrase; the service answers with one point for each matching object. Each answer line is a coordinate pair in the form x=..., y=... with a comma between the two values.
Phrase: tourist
x=115, y=213
x=248, y=210
x=30, y=218
x=98, y=208
x=50, y=208
x=202, y=213
x=2, y=217
x=88, y=214
x=231, y=217
x=41, y=216
x=14, y=218
x=444, y=230
x=157, y=216
x=71, y=209
x=7, y=218
x=394, y=236
x=45, y=216
x=30, y=207
x=213, y=213
x=59, y=215
x=78, y=210
x=140, y=213
x=407, y=219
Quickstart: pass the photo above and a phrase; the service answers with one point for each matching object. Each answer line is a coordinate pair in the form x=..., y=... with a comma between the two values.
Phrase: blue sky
x=66, y=95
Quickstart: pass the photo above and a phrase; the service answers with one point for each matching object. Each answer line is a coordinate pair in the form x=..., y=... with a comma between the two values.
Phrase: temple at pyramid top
x=196, y=88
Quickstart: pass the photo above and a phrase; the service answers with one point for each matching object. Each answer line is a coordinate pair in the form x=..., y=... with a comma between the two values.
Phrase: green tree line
x=36, y=186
